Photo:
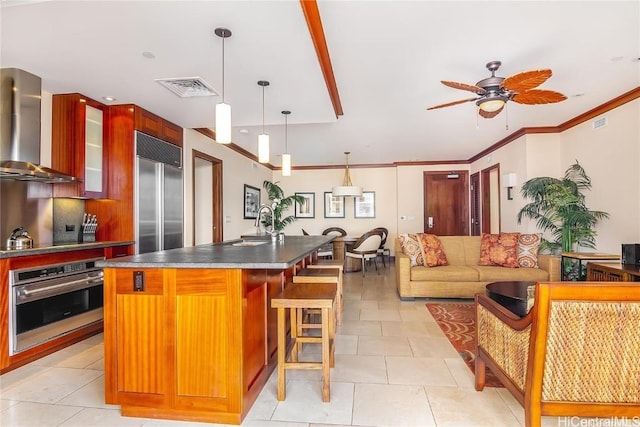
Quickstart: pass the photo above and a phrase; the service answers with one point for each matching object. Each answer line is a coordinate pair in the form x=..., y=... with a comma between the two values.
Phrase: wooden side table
x=573, y=265
x=612, y=272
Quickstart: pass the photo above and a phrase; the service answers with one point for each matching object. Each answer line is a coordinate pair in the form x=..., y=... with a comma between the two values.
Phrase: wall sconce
x=509, y=181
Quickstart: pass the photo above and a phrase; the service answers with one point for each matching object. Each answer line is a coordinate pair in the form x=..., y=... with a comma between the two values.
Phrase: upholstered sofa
x=574, y=354
x=463, y=277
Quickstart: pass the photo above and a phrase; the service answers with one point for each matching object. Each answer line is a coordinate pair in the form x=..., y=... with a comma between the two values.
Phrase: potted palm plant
x=279, y=203
x=558, y=206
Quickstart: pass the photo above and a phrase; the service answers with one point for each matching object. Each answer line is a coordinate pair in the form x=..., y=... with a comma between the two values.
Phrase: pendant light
x=223, y=110
x=286, y=157
x=263, y=138
x=347, y=188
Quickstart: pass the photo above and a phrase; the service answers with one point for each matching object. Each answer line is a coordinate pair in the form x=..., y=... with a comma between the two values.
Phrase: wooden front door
x=446, y=203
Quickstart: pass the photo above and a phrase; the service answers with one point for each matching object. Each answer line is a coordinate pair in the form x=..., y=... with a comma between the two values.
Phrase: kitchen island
x=189, y=333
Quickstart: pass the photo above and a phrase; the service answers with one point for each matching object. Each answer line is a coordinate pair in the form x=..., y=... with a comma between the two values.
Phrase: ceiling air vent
x=599, y=122
x=188, y=87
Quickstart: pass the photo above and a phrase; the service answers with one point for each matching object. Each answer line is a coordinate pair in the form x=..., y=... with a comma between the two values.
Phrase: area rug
x=458, y=322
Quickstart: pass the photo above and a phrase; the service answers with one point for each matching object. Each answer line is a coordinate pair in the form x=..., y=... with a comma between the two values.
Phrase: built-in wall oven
x=49, y=301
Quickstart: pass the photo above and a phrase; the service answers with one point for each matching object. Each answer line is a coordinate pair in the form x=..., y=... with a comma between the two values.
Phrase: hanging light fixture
x=263, y=138
x=286, y=157
x=347, y=188
x=223, y=110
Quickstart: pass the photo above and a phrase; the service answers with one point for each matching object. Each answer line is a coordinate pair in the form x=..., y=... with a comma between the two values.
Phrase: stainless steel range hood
x=20, y=94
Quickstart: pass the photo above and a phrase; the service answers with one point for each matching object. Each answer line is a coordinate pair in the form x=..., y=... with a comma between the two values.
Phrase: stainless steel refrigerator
x=159, y=195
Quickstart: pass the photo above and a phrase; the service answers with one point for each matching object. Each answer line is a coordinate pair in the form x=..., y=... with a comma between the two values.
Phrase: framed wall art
x=306, y=209
x=251, y=202
x=365, y=205
x=333, y=205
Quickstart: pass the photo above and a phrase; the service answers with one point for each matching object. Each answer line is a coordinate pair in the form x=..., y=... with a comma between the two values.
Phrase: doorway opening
x=207, y=198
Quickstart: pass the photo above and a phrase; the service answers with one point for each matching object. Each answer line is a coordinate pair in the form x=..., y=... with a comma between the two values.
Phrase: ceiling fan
x=493, y=92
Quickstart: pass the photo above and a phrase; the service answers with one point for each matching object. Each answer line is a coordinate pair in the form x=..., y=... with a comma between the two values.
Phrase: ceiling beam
x=312, y=15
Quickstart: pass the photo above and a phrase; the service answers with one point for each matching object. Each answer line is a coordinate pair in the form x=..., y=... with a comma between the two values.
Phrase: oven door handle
x=26, y=295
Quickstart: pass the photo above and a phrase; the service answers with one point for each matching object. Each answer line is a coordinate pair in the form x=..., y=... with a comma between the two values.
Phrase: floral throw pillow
x=412, y=248
x=499, y=249
x=528, y=245
x=432, y=250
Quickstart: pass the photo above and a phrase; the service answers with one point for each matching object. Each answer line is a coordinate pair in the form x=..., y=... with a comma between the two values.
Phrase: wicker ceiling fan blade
x=463, y=86
x=538, y=96
x=489, y=114
x=448, y=104
x=526, y=80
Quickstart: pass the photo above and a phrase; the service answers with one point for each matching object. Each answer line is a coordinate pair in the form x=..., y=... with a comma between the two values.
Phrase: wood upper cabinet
x=156, y=126
x=78, y=138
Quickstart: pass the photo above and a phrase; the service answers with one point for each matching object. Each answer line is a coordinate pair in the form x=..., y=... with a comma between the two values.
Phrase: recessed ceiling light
x=244, y=131
x=148, y=55
x=109, y=98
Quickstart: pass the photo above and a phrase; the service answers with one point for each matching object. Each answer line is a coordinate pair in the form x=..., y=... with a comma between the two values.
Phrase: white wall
x=410, y=194
x=237, y=170
x=610, y=156
x=380, y=180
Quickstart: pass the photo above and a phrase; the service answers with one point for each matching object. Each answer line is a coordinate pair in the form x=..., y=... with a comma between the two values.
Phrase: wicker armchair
x=574, y=353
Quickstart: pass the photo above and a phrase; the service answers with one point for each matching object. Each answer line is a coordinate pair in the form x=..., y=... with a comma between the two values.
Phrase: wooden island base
x=189, y=333
x=195, y=344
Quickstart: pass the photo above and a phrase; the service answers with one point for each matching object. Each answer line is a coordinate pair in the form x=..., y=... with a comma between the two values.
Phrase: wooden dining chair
x=366, y=248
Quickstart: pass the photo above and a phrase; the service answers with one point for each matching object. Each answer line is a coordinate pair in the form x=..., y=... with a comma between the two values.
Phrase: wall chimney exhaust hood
x=20, y=94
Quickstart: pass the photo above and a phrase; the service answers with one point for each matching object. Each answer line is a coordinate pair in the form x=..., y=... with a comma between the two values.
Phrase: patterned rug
x=458, y=322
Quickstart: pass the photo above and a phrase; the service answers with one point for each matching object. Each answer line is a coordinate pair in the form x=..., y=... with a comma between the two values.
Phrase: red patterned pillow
x=528, y=245
x=499, y=249
x=412, y=248
x=432, y=250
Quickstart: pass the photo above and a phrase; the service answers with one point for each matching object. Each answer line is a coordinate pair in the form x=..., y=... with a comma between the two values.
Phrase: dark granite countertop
x=67, y=247
x=230, y=254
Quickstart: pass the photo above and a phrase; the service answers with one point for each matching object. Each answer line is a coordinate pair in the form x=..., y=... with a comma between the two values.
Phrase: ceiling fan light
x=263, y=148
x=491, y=105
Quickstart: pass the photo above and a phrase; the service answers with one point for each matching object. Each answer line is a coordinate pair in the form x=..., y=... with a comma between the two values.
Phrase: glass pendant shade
x=286, y=164
x=492, y=105
x=223, y=123
x=223, y=110
x=263, y=148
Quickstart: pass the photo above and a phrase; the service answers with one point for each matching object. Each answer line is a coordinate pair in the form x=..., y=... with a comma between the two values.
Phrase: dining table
x=340, y=245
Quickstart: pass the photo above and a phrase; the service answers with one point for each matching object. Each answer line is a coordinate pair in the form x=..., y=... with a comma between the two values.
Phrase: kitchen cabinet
x=78, y=139
x=117, y=216
x=43, y=257
x=156, y=126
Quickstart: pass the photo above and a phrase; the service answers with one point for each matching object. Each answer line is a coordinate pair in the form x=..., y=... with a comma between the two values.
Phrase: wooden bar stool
x=324, y=273
x=297, y=296
x=333, y=263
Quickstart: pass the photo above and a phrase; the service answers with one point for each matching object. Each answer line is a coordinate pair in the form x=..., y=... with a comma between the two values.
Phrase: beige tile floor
x=394, y=367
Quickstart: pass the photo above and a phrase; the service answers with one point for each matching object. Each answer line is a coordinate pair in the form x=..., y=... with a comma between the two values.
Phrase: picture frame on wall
x=251, y=202
x=333, y=205
x=306, y=209
x=365, y=205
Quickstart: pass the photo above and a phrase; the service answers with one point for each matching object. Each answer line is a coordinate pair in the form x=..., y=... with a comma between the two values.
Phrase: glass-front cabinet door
x=94, y=124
